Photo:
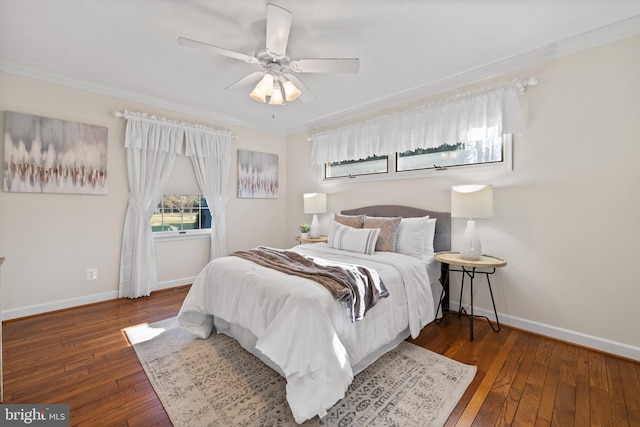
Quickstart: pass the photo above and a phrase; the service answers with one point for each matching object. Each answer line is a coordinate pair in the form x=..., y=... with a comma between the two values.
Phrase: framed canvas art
x=257, y=175
x=44, y=155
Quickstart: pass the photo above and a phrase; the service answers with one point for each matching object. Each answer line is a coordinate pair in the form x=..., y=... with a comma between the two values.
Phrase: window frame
x=350, y=176
x=199, y=233
x=393, y=174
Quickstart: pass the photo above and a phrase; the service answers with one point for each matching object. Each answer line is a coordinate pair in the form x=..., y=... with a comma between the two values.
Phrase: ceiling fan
x=276, y=80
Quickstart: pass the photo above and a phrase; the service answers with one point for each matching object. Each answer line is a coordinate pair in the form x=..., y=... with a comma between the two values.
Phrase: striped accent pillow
x=362, y=240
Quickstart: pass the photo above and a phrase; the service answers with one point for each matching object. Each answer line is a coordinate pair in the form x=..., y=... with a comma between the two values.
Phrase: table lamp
x=471, y=201
x=315, y=203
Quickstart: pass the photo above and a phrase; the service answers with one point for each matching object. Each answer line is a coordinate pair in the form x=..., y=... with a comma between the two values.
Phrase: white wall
x=566, y=217
x=49, y=240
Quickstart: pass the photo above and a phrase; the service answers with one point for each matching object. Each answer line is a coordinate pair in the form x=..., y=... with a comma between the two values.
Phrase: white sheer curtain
x=210, y=153
x=151, y=146
x=495, y=110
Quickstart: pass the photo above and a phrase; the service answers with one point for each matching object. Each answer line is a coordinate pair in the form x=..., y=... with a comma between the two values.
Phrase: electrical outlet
x=92, y=273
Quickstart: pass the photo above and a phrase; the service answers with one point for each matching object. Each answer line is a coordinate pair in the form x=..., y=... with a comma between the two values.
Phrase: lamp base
x=314, y=232
x=471, y=248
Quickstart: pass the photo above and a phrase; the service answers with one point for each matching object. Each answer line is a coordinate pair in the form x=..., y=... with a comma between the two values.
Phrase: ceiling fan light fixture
x=291, y=92
x=267, y=83
x=258, y=95
x=263, y=89
x=276, y=98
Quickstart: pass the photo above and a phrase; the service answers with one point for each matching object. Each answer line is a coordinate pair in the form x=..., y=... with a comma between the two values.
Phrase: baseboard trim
x=32, y=310
x=578, y=338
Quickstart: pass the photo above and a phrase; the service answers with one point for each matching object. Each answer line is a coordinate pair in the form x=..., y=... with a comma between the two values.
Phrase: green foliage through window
x=350, y=168
x=440, y=149
x=177, y=212
x=444, y=156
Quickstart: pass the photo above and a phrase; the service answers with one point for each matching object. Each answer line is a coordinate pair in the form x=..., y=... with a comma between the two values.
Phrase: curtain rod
x=125, y=114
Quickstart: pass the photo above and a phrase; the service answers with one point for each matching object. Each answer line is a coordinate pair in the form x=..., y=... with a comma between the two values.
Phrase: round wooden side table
x=470, y=268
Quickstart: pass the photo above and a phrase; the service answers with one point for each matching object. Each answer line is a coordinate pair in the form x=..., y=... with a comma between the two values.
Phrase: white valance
x=140, y=125
x=490, y=113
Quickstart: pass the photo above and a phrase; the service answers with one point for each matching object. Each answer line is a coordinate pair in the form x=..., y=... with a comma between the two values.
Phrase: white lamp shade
x=315, y=203
x=472, y=201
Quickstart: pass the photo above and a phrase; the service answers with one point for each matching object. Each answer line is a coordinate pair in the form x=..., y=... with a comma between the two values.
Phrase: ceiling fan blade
x=246, y=80
x=307, y=95
x=326, y=65
x=278, y=26
x=182, y=41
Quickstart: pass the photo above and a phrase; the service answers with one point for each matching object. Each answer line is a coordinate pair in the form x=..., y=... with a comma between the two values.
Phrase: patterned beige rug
x=215, y=382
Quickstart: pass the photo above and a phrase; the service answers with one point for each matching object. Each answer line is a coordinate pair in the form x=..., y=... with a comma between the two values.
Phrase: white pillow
x=411, y=236
x=429, y=252
x=362, y=240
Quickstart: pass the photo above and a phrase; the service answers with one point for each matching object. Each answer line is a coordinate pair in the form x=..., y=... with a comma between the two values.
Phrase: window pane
x=471, y=153
x=177, y=212
x=368, y=166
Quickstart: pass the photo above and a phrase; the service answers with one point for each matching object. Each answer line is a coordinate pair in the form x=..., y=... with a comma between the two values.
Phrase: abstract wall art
x=257, y=175
x=45, y=155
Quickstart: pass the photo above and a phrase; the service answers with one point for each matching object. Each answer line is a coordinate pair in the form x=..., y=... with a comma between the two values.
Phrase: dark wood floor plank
x=527, y=412
x=600, y=406
x=583, y=401
x=548, y=398
x=599, y=402
x=81, y=357
x=514, y=396
x=616, y=394
x=598, y=371
x=568, y=365
x=564, y=409
x=629, y=380
x=480, y=394
x=493, y=405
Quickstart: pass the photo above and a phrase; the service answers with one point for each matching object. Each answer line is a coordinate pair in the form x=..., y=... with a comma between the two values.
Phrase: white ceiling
x=407, y=48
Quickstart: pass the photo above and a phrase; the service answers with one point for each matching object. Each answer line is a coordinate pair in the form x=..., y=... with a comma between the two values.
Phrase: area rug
x=215, y=382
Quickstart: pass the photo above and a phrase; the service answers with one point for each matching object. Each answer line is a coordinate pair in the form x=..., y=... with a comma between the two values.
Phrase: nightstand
x=321, y=239
x=469, y=268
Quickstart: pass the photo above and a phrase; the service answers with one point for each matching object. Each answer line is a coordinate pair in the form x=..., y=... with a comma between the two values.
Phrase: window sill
x=165, y=236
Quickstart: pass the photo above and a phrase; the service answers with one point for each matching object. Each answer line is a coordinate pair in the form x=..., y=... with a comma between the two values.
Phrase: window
x=461, y=154
x=178, y=214
x=495, y=152
x=351, y=168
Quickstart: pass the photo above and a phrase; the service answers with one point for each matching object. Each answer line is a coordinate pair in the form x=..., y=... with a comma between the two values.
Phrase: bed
x=298, y=329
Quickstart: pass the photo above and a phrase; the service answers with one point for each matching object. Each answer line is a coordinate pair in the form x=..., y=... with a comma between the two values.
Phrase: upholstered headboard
x=442, y=238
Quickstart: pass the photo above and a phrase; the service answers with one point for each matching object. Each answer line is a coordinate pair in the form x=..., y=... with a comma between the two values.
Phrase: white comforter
x=300, y=327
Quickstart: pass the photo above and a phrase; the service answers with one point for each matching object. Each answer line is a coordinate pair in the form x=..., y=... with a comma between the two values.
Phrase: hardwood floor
x=82, y=358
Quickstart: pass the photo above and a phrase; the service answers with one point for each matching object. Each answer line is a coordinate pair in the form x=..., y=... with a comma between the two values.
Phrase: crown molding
x=588, y=40
x=49, y=76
